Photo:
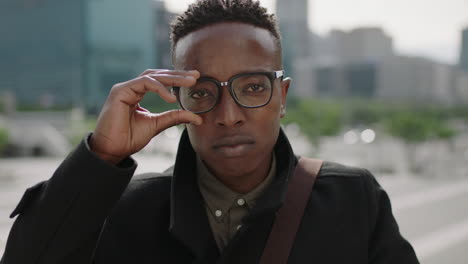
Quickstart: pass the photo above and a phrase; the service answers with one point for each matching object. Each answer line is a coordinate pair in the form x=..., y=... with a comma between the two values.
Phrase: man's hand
x=124, y=127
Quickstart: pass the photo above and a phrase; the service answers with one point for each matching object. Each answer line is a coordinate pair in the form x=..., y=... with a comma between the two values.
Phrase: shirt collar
x=218, y=196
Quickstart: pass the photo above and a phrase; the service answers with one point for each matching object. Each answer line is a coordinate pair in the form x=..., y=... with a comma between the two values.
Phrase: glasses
x=250, y=90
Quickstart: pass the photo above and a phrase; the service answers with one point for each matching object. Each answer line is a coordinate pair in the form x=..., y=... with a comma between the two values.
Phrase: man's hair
x=203, y=13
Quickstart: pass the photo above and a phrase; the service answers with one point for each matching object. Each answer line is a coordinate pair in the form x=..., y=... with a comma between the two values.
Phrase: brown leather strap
x=289, y=216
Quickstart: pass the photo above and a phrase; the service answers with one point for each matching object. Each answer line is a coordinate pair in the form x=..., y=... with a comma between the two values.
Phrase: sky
x=429, y=28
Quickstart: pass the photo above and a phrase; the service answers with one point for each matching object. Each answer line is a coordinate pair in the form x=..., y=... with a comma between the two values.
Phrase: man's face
x=234, y=139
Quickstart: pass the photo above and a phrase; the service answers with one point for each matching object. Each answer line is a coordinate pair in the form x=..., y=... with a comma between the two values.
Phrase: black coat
x=88, y=212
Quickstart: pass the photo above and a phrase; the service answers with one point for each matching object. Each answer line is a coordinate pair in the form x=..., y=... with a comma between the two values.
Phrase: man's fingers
x=176, y=117
x=150, y=71
x=169, y=80
x=132, y=92
x=148, y=83
x=193, y=73
x=157, y=82
x=140, y=108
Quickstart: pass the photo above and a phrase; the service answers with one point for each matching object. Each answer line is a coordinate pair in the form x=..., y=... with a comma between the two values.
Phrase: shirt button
x=218, y=213
x=241, y=202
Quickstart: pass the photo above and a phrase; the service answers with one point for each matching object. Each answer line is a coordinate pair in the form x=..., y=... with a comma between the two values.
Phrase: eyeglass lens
x=248, y=90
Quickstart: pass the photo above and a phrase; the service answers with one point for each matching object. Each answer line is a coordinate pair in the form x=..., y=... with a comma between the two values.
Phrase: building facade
x=64, y=53
x=163, y=18
x=420, y=80
x=365, y=44
x=347, y=63
x=42, y=52
x=296, y=46
x=464, y=50
x=120, y=44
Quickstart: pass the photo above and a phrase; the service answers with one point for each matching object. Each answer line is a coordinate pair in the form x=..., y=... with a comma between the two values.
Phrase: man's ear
x=285, y=83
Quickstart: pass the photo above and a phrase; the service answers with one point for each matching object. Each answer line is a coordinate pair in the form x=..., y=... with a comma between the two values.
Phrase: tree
x=3, y=139
x=414, y=127
x=316, y=118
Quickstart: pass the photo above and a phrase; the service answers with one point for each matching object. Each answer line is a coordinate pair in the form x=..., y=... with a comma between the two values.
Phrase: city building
x=361, y=79
x=415, y=79
x=347, y=63
x=460, y=84
x=70, y=53
x=293, y=22
x=366, y=44
x=370, y=44
x=330, y=81
x=120, y=44
x=303, y=83
x=162, y=33
x=464, y=50
x=362, y=63
x=42, y=52
x=346, y=80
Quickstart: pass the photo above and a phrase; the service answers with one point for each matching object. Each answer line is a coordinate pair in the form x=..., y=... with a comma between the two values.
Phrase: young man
x=219, y=201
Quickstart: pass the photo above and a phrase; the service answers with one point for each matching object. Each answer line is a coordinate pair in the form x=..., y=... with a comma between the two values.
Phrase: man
x=218, y=203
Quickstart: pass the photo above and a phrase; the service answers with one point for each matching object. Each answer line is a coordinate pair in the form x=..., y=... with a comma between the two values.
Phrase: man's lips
x=233, y=141
x=233, y=146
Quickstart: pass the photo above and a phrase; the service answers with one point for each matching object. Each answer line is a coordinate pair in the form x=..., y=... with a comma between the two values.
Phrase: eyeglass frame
x=272, y=76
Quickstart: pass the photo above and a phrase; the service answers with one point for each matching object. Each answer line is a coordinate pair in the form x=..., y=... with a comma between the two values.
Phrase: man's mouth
x=233, y=146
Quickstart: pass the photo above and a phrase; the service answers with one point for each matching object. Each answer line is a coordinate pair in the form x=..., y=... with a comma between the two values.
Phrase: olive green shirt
x=224, y=207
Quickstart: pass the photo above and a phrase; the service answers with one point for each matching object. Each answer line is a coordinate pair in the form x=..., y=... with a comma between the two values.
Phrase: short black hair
x=208, y=12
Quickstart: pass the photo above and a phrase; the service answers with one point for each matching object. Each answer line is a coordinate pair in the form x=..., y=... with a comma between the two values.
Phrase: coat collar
x=189, y=223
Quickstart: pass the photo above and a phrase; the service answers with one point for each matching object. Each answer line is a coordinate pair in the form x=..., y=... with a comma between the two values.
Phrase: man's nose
x=228, y=112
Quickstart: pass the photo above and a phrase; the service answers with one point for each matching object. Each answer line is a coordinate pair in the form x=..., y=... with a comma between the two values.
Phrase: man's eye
x=198, y=94
x=254, y=88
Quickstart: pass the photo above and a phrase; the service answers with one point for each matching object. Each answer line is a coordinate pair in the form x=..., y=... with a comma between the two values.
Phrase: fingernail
x=195, y=72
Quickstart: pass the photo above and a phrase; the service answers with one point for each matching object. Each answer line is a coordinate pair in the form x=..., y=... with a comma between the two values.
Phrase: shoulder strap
x=289, y=216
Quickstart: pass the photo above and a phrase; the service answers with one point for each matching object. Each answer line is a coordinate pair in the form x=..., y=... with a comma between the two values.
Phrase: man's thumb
x=176, y=117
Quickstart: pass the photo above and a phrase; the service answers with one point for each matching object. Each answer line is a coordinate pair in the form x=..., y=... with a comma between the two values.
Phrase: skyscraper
x=464, y=50
x=364, y=44
x=70, y=53
x=120, y=44
x=41, y=51
x=293, y=17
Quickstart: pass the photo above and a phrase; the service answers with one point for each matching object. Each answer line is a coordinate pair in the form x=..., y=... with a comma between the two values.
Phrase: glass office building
x=41, y=51
x=62, y=53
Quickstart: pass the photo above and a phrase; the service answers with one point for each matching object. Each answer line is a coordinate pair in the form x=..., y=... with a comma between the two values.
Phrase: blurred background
x=378, y=84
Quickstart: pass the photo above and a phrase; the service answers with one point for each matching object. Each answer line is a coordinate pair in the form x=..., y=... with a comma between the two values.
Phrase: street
x=432, y=214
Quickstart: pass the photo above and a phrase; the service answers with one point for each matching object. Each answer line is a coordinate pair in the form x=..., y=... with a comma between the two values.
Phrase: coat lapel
x=189, y=222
